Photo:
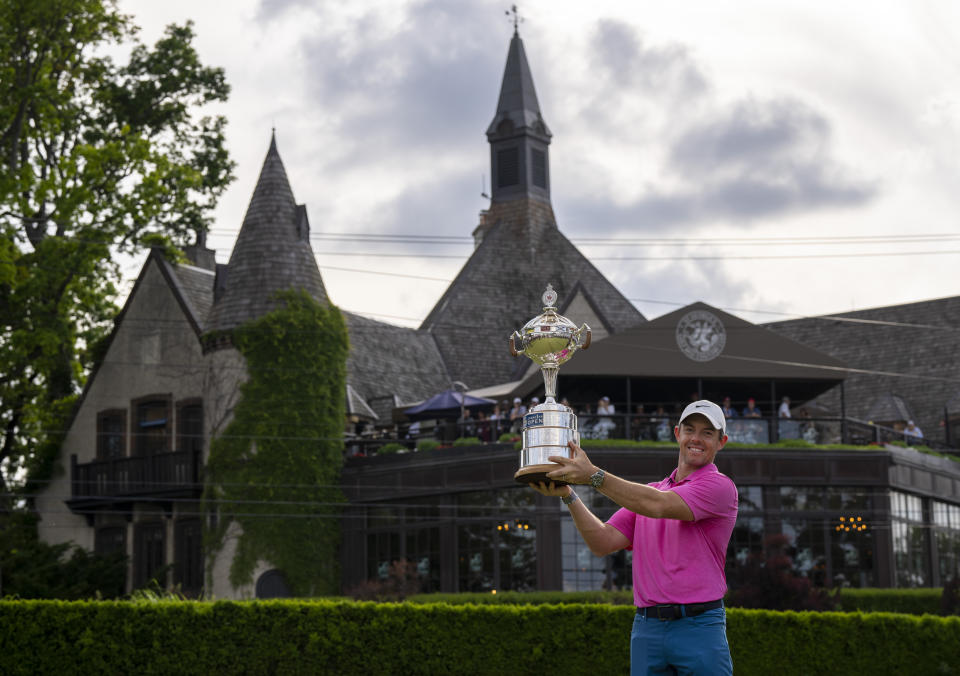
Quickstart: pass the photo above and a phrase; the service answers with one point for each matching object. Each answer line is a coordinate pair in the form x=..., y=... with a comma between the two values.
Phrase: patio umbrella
x=446, y=405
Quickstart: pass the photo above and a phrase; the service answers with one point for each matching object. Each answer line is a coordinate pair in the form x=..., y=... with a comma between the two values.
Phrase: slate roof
x=888, y=408
x=518, y=97
x=920, y=340
x=387, y=360
x=272, y=252
x=499, y=290
x=196, y=285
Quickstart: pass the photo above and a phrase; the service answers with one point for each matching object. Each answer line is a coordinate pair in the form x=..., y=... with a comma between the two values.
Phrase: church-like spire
x=518, y=136
x=272, y=252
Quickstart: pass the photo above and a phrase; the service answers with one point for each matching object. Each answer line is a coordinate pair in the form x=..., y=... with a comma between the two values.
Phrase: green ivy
x=275, y=470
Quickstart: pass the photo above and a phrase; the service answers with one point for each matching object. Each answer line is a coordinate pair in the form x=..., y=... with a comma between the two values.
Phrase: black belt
x=674, y=611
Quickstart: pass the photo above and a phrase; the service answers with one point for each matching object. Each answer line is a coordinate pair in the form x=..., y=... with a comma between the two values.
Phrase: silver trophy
x=549, y=340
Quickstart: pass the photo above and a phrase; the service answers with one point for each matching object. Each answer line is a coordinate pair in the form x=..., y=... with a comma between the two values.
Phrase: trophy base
x=534, y=474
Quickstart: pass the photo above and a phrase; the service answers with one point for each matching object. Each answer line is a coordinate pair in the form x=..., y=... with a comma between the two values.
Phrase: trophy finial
x=550, y=298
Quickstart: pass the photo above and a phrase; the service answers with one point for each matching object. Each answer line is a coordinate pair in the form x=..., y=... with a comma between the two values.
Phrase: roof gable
x=700, y=341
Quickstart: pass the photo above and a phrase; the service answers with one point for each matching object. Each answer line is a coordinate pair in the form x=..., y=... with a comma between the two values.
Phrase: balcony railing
x=156, y=474
x=650, y=427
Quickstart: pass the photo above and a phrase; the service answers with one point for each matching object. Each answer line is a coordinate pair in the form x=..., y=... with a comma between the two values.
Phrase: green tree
x=97, y=159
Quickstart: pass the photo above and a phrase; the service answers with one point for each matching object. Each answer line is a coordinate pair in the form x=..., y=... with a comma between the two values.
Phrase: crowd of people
x=652, y=422
x=596, y=421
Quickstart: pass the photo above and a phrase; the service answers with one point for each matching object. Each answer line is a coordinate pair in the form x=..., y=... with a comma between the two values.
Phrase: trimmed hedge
x=336, y=637
x=534, y=598
x=911, y=601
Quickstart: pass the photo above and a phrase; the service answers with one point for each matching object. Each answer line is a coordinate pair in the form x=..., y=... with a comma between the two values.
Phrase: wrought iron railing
x=147, y=474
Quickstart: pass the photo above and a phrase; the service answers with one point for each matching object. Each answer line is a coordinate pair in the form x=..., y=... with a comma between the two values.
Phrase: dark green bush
x=427, y=444
x=339, y=637
x=911, y=601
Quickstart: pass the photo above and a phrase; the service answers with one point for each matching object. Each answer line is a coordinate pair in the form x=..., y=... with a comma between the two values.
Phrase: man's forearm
x=601, y=538
x=645, y=500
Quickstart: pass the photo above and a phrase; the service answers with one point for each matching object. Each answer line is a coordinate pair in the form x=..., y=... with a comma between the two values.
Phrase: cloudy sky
x=762, y=157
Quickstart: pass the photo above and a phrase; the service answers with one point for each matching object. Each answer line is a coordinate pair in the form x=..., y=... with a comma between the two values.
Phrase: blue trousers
x=689, y=645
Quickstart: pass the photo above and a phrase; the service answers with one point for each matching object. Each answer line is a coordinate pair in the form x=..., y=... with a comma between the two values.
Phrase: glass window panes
x=910, y=540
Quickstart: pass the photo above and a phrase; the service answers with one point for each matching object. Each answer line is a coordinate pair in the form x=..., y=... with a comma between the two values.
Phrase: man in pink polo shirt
x=678, y=529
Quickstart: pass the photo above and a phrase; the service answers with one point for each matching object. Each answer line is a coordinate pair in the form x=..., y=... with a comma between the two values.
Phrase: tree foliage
x=35, y=570
x=97, y=158
x=275, y=470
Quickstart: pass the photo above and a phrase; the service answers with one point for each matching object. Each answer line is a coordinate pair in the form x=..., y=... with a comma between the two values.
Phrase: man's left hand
x=575, y=470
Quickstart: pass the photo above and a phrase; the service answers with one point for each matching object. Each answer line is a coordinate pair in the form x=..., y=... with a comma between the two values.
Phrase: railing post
x=73, y=475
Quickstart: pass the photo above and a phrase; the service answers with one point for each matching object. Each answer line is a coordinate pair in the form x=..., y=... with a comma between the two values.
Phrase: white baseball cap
x=708, y=409
x=535, y=400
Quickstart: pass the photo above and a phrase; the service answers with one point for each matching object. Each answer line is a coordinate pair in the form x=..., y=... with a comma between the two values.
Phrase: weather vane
x=517, y=19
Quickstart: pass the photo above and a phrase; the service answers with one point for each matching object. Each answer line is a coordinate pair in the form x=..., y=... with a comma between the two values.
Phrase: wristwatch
x=569, y=499
x=596, y=479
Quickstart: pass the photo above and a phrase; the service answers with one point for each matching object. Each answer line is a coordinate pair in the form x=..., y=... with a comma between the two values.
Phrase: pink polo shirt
x=682, y=561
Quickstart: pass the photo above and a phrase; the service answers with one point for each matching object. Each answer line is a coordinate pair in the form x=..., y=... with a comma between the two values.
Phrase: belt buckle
x=670, y=610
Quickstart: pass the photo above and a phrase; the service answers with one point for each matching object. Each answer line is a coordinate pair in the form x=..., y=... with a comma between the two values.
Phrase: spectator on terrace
x=784, y=411
x=604, y=425
x=911, y=432
x=467, y=424
x=483, y=427
x=728, y=410
x=751, y=411
x=516, y=415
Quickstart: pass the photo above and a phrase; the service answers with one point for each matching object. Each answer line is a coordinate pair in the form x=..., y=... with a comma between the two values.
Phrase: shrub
x=392, y=447
x=427, y=444
x=402, y=581
x=468, y=441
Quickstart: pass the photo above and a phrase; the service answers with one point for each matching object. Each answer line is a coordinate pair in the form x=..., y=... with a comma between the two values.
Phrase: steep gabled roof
x=498, y=291
x=388, y=362
x=272, y=252
x=749, y=351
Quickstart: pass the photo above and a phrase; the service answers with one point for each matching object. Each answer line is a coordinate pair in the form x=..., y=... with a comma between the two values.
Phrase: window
x=508, y=167
x=151, y=427
x=187, y=557
x=910, y=540
x=539, y=168
x=582, y=571
x=423, y=550
x=148, y=554
x=190, y=426
x=496, y=540
x=946, y=528
x=111, y=434
x=746, y=541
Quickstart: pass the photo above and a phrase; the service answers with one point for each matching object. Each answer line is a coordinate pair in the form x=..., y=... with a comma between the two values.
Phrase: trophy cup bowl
x=549, y=340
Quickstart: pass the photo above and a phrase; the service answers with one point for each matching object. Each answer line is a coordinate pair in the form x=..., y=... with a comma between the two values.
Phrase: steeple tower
x=518, y=136
x=272, y=252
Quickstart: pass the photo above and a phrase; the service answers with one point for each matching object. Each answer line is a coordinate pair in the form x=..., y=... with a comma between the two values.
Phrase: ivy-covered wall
x=274, y=471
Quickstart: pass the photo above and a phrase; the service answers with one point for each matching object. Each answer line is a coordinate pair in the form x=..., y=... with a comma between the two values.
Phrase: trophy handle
x=588, y=339
x=513, y=345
